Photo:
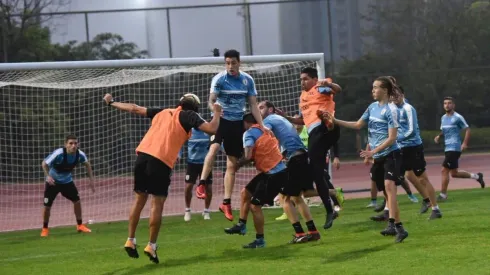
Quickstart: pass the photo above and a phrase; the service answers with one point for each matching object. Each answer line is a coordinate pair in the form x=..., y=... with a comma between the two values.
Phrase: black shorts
x=151, y=175
x=387, y=168
x=413, y=160
x=320, y=140
x=67, y=190
x=299, y=176
x=194, y=171
x=230, y=133
x=264, y=187
x=451, y=160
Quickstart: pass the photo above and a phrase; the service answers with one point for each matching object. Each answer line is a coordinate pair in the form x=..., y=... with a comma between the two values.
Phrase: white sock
x=133, y=240
x=443, y=195
x=206, y=210
x=153, y=245
x=187, y=209
x=474, y=176
x=386, y=208
x=435, y=207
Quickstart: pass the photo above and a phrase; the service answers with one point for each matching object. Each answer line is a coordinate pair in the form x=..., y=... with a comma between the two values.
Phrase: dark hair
x=232, y=54
x=311, y=72
x=188, y=103
x=249, y=117
x=387, y=83
x=71, y=136
x=449, y=98
x=269, y=104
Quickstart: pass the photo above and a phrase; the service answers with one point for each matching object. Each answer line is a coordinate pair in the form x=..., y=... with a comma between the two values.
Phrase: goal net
x=42, y=103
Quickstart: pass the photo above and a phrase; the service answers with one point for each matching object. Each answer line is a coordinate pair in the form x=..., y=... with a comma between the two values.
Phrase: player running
x=231, y=89
x=157, y=153
x=381, y=119
x=57, y=169
x=451, y=125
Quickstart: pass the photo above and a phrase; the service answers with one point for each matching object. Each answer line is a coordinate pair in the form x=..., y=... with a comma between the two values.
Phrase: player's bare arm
x=438, y=137
x=293, y=120
x=212, y=126
x=356, y=125
x=247, y=157
x=212, y=99
x=90, y=174
x=327, y=82
x=45, y=167
x=392, y=134
x=254, y=109
x=125, y=107
x=466, y=140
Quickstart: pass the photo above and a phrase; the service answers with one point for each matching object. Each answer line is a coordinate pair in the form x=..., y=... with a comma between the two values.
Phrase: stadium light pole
x=244, y=12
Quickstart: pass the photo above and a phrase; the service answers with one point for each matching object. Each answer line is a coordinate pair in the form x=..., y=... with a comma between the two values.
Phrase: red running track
x=21, y=204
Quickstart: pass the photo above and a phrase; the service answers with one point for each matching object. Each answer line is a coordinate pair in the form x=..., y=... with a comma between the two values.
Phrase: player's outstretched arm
x=90, y=174
x=125, y=107
x=356, y=125
x=294, y=120
x=254, y=109
x=212, y=126
x=327, y=82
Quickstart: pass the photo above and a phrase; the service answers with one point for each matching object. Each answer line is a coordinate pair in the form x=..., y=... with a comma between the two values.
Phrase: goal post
x=41, y=103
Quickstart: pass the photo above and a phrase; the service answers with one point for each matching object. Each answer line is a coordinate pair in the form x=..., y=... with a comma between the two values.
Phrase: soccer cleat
x=413, y=198
x=313, y=236
x=282, y=217
x=152, y=254
x=435, y=214
x=130, y=248
x=335, y=214
x=389, y=230
x=380, y=207
x=480, y=180
x=329, y=220
x=226, y=209
x=44, y=232
x=187, y=216
x=257, y=243
x=238, y=228
x=441, y=198
x=425, y=207
x=401, y=234
x=206, y=215
x=381, y=217
x=201, y=191
x=339, y=194
x=299, y=239
x=371, y=205
x=83, y=228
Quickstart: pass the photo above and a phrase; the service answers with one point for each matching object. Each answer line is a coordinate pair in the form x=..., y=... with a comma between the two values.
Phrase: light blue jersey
x=451, y=127
x=408, y=132
x=379, y=119
x=232, y=93
x=250, y=137
x=285, y=133
x=56, y=158
x=197, y=147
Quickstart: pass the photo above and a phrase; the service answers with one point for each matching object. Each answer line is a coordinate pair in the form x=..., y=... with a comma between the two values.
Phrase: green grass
x=456, y=244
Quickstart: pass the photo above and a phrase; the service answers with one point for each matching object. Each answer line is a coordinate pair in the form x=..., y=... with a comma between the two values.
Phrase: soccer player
x=381, y=119
x=451, y=125
x=297, y=164
x=157, y=153
x=197, y=148
x=317, y=96
x=57, y=169
x=231, y=88
x=413, y=164
x=262, y=148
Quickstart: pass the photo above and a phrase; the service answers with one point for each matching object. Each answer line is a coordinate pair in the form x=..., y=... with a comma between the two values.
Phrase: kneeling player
x=262, y=148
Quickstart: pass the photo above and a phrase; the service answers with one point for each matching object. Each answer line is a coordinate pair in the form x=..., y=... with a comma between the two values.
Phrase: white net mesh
x=39, y=108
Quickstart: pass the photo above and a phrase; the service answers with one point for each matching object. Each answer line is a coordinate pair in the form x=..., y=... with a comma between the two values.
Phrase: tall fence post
x=169, y=34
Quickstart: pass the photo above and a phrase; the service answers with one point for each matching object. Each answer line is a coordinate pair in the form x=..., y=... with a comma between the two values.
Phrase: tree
x=104, y=46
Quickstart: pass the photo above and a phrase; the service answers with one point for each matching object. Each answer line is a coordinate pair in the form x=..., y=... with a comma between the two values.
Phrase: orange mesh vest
x=165, y=137
x=266, y=152
x=313, y=100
